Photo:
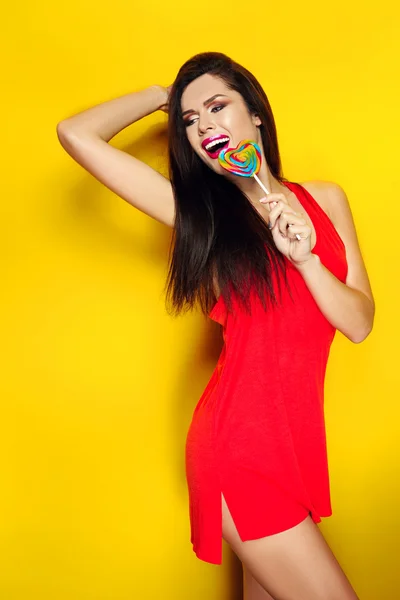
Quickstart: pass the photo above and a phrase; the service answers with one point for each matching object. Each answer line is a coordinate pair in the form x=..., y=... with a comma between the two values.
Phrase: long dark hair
x=218, y=233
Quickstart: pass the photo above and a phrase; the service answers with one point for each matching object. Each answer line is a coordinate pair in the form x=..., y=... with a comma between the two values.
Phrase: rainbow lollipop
x=245, y=161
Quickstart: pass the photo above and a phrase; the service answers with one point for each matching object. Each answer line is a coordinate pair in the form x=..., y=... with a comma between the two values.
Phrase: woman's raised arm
x=85, y=138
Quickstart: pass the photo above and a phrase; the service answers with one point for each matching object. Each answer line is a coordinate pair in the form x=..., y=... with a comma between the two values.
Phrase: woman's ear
x=256, y=120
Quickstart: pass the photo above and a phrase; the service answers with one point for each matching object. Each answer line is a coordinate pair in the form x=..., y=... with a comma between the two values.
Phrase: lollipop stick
x=262, y=186
x=298, y=236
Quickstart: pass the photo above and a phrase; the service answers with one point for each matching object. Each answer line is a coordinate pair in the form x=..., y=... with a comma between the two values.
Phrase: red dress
x=258, y=431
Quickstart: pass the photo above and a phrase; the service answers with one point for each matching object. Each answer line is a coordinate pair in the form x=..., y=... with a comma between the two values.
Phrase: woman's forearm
x=347, y=309
x=109, y=118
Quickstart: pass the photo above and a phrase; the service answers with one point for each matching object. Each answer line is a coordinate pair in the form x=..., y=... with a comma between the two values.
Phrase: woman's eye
x=219, y=106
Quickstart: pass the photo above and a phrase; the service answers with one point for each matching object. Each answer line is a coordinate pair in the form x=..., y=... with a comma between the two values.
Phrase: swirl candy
x=244, y=160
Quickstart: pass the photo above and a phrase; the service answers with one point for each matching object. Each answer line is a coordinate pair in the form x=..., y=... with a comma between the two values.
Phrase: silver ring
x=298, y=236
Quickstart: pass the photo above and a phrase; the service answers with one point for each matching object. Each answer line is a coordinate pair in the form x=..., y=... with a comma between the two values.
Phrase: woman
x=256, y=459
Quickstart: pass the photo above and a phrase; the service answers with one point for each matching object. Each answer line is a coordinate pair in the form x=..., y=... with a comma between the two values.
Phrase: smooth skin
x=296, y=564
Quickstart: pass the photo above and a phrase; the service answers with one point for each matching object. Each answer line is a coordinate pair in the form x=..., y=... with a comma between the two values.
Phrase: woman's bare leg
x=296, y=564
x=252, y=590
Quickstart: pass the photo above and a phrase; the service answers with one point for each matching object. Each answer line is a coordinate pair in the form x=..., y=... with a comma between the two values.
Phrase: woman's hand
x=164, y=106
x=285, y=223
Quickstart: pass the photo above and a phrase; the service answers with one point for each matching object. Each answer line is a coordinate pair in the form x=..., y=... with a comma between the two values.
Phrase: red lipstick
x=216, y=148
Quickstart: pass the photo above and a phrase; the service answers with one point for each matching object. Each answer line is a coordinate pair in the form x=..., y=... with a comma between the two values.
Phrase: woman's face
x=214, y=113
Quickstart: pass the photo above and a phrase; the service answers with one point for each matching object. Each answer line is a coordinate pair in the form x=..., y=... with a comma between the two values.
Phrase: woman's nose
x=204, y=124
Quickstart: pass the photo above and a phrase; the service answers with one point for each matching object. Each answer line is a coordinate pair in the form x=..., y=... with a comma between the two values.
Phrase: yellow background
x=98, y=382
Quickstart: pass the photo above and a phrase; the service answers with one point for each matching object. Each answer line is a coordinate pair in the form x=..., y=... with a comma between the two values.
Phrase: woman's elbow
x=363, y=335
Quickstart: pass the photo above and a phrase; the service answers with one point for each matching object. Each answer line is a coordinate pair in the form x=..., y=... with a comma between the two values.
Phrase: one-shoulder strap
x=311, y=205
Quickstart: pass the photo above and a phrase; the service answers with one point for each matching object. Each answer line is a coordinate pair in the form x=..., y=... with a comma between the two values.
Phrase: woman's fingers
x=282, y=215
x=285, y=214
x=286, y=220
x=276, y=210
x=272, y=200
x=290, y=230
x=303, y=230
x=266, y=204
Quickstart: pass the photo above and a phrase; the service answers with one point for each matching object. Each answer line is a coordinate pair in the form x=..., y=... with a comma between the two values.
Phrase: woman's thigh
x=296, y=564
x=252, y=590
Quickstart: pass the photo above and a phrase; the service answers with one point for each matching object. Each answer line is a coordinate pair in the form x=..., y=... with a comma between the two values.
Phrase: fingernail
x=263, y=200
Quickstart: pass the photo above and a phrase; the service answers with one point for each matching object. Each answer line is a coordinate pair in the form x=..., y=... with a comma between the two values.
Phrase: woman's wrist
x=161, y=95
x=309, y=263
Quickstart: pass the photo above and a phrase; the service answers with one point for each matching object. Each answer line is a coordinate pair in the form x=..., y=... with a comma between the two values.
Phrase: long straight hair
x=218, y=234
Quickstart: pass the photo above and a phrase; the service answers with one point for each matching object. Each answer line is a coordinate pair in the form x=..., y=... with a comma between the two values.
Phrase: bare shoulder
x=323, y=192
x=334, y=201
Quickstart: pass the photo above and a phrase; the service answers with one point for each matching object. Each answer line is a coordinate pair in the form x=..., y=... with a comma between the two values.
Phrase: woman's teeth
x=215, y=143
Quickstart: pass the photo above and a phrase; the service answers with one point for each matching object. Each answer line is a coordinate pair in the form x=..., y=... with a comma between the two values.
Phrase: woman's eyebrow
x=190, y=110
